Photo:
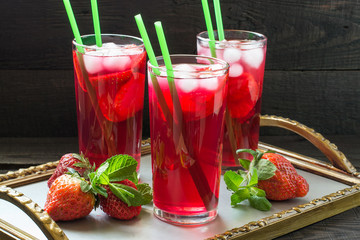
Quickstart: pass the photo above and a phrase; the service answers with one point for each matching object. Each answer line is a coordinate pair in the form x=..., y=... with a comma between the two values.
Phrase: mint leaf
x=253, y=177
x=232, y=180
x=244, y=163
x=266, y=169
x=146, y=193
x=121, y=167
x=101, y=176
x=258, y=192
x=239, y=196
x=242, y=173
x=252, y=152
x=260, y=203
x=127, y=194
x=99, y=189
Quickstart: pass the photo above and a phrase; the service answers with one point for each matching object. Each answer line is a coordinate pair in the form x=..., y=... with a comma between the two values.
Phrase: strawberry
x=114, y=207
x=66, y=201
x=130, y=99
x=120, y=95
x=268, y=176
x=242, y=96
x=77, y=72
x=286, y=183
x=138, y=63
x=71, y=160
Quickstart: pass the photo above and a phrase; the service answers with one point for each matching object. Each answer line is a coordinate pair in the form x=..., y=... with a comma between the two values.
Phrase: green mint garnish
x=243, y=184
x=115, y=170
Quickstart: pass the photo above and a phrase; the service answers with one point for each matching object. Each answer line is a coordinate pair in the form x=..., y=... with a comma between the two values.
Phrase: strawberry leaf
x=260, y=203
x=85, y=187
x=266, y=169
x=233, y=180
x=239, y=196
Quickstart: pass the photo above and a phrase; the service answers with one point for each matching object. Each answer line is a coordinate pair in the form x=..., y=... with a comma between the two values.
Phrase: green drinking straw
x=219, y=23
x=95, y=14
x=164, y=51
x=73, y=24
x=209, y=27
x=147, y=43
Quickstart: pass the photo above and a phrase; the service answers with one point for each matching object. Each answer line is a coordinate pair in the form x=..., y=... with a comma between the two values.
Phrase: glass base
x=190, y=220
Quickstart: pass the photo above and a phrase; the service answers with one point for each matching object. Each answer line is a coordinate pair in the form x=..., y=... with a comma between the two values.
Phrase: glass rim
x=163, y=68
x=106, y=34
x=262, y=36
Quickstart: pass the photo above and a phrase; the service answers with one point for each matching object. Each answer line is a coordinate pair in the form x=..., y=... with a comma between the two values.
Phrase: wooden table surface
x=17, y=153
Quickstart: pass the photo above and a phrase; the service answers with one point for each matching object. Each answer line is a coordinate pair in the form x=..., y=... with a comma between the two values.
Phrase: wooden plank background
x=312, y=67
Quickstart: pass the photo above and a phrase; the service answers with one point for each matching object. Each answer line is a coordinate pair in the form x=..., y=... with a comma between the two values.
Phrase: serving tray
x=334, y=188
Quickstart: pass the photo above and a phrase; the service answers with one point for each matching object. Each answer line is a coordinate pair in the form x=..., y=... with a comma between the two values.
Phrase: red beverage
x=245, y=52
x=186, y=151
x=109, y=87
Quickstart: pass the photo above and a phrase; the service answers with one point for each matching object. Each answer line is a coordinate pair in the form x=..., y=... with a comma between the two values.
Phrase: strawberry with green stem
x=69, y=198
x=71, y=160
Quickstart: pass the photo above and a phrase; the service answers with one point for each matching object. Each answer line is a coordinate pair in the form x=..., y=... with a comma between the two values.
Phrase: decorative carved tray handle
x=50, y=229
x=330, y=150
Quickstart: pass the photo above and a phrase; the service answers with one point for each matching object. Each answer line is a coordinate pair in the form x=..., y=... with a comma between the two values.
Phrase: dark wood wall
x=312, y=68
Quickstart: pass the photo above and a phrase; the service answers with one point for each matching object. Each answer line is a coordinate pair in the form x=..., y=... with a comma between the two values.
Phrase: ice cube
x=215, y=67
x=253, y=57
x=187, y=85
x=93, y=62
x=209, y=83
x=232, y=55
x=235, y=70
x=184, y=68
x=116, y=63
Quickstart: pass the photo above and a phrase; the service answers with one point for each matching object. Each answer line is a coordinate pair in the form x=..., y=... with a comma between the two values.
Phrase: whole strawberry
x=66, y=200
x=115, y=207
x=71, y=160
x=286, y=183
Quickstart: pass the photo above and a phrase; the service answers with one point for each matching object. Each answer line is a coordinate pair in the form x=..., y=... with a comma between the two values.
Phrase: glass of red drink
x=109, y=87
x=187, y=112
x=245, y=52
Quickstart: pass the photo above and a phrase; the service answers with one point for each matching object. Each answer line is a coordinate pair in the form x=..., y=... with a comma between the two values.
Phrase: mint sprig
x=243, y=183
x=115, y=170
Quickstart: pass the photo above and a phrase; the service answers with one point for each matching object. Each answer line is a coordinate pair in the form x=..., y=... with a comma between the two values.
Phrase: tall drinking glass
x=109, y=87
x=187, y=112
x=245, y=52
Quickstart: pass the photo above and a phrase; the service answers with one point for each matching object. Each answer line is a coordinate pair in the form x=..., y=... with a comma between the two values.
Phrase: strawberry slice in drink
x=138, y=62
x=78, y=73
x=107, y=87
x=243, y=94
x=129, y=100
